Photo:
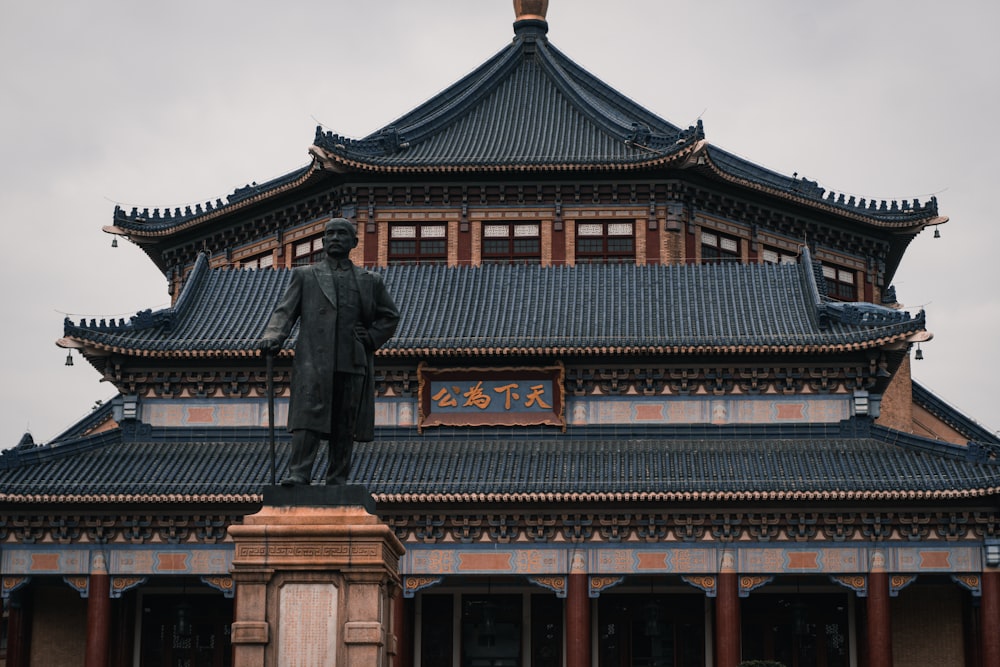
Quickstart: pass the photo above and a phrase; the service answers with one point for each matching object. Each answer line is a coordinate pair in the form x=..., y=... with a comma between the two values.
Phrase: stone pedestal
x=314, y=572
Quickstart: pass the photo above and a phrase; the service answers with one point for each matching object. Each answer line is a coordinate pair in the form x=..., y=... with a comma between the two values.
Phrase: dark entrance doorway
x=186, y=630
x=797, y=629
x=651, y=630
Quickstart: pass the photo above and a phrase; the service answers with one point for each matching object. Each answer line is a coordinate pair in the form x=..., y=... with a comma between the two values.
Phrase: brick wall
x=927, y=627
x=929, y=426
x=58, y=628
x=897, y=402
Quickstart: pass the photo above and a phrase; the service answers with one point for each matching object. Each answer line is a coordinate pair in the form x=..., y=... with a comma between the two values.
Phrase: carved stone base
x=314, y=580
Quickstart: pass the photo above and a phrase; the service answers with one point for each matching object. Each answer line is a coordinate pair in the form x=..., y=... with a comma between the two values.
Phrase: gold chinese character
x=476, y=397
x=536, y=397
x=508, y=389
x=445, y=399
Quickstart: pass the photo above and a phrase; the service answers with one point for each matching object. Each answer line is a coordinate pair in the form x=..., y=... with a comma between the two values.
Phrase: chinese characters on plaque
x=491, y=396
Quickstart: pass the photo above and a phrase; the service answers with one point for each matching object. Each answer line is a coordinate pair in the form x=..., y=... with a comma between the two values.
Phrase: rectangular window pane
x=525, y=230
x=620, y=229
x=590, y=229
x=433, y=231
x=618, y=246
x=496, y=247
x=527, y=247
x=433, y=247
x=303, y=248
x=403, y=247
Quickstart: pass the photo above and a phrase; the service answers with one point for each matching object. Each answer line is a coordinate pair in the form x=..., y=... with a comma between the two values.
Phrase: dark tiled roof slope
x=531, y=108
x=105, y=467
x=587, y=309
x=701, y=464
x=528, y=106
x=99, y=415
x=950, y=415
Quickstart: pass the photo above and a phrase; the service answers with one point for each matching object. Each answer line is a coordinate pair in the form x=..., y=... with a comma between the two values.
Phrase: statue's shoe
x=294, y=480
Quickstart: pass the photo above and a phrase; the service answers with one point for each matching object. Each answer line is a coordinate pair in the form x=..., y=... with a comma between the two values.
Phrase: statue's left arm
x=385, y=315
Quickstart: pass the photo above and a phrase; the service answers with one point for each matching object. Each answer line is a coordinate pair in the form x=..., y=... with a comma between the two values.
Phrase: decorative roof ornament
x=529, y=17
x=530, y=9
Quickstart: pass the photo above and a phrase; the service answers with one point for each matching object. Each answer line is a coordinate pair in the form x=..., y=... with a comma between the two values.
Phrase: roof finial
x=530, y=9
x=529, y=22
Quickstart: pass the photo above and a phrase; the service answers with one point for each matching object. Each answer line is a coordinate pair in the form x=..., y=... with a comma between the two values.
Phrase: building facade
x=649, y=404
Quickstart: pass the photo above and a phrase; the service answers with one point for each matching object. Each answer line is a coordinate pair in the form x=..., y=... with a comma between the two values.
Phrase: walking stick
x=270, y=411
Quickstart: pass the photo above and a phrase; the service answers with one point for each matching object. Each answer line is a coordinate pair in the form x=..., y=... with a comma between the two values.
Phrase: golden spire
x=530, y=9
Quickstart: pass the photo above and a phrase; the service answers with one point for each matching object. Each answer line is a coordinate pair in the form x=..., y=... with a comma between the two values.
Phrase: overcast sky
x=174, y=103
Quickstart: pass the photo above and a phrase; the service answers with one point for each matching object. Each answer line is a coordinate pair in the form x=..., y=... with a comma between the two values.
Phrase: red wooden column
x=879, y=630
x=989, y=618
x=97, y=652
x=19, y=629
x=727, y=614
x=577, y=614
x=402, y=627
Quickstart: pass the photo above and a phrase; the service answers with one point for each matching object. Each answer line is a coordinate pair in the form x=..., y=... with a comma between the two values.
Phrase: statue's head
x=339, y=238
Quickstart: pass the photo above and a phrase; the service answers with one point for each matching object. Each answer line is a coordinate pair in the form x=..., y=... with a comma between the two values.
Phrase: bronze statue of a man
x=345, y=313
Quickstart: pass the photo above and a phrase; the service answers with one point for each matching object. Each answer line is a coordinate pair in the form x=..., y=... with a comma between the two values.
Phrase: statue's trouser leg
x=346, y=397
x=305, y=446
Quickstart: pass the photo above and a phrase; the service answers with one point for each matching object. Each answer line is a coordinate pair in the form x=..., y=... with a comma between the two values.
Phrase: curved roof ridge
x=921, y=443
x=952, y=416
x=146, y=319
x=160, y=219
x=428, y=118
x=906, y=211
x=614, y=124
x=595, y=87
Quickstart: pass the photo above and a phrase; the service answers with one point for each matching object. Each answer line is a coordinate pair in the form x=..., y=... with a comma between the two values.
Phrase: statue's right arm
x=284, y=316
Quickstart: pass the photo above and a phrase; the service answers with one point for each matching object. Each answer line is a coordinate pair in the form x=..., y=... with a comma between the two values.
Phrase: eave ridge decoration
x=867, y=314
x=159, y=222
x=144, y=319
x=859, y=313
x=912, y=215
x=681, y=149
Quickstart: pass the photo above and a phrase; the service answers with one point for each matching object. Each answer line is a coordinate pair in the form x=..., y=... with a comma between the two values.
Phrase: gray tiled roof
x=702, y=463
x=527, y=106
x=592, y=308
x=530, y=107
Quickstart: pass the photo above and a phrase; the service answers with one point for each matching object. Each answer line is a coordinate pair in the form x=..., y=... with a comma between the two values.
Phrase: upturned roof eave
x=343, y=161
x=136, y=230
x=900, y=222
x=97, y=350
